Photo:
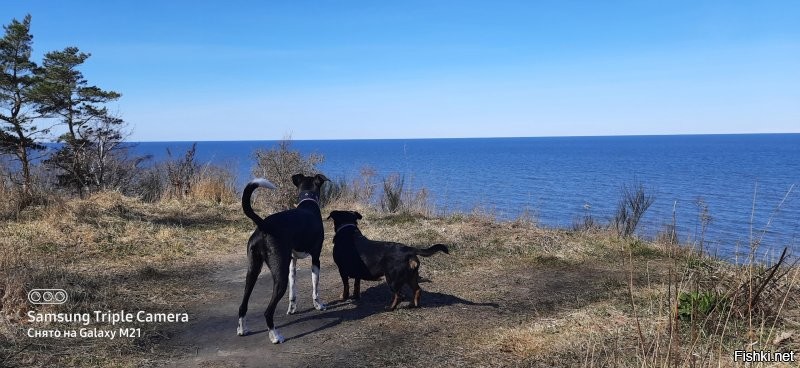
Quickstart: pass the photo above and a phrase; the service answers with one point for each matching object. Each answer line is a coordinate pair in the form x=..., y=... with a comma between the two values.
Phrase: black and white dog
x=360, y=258
x=279, y=240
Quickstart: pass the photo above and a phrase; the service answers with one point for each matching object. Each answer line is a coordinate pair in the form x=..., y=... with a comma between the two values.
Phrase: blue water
x=738, y=177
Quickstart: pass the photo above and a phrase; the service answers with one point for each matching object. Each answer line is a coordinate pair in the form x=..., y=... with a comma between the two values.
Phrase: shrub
x=180, y=174
x=630, y=209
x=149, y=185
x=12, y=203
x=336, y=190
x=392, y=193
x=278, y=164
x=586, y=222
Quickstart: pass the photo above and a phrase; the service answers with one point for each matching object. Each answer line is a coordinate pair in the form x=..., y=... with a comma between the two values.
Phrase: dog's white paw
x=292, y=308
x=241, y=330
x=275, y=336
x=319, y=305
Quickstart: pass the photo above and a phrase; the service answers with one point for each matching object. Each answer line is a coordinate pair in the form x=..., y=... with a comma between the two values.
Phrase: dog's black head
x=309, y=183
x=341, y=218
x=308, y=186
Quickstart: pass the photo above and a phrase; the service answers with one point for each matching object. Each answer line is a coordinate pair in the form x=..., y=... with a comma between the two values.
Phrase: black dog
x=280, y=240
x=360, y=258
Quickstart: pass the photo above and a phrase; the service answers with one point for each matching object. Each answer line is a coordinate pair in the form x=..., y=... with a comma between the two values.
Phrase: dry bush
x=392, y=198
x=630, y=209
x=149, y=185
x=180, y=174
x=586, y=222
x=11, y=203
x=277, y=165
x=15, y=200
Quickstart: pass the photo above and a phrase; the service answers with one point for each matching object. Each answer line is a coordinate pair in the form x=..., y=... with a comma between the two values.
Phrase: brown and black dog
x=360, y=258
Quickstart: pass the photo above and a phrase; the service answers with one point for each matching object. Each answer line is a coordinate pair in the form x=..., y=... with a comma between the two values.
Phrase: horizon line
x=453, y=138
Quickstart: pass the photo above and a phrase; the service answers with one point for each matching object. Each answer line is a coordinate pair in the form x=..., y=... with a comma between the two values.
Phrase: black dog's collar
x=307, y=195
x=344, y=226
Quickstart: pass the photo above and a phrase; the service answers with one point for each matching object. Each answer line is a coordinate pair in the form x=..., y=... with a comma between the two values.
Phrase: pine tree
x=63, y=93
x=18, y=133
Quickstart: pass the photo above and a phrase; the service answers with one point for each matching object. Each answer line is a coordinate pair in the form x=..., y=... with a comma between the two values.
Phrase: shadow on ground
x=373, y=300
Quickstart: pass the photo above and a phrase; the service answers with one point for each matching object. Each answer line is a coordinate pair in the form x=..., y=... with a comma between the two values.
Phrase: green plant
x=696, y=305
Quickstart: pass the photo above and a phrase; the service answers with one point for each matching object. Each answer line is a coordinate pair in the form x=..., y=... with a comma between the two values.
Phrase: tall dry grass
x=215, y=184
x=111, y=252
x=396, y=197
x=182, y=178
x=11, y=204
x=678, y=307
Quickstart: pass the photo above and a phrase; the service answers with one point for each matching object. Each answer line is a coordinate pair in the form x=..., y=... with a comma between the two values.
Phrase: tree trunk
x=22, y=154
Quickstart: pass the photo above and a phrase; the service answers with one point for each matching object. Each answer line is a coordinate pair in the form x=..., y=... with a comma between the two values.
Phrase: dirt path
x=311, y=336
x=361, y=333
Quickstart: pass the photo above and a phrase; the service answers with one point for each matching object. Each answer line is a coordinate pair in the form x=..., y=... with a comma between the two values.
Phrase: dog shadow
x=374, y=300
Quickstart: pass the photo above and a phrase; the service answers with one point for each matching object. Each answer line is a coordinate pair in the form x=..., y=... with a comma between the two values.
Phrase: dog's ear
x=357, y=215
x=329, y=216
x=297, y=179
x=319, y=178
x=334, y=214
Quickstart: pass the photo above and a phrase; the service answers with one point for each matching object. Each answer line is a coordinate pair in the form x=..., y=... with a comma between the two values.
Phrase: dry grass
x=215, y=184
x=649, y=332
x=526, y=296
x=111, y=252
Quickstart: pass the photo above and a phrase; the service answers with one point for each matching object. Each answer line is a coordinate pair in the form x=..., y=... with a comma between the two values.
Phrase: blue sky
x=196, y=70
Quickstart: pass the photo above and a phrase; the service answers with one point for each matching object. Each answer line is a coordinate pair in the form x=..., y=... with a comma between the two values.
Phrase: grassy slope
x=531, y=296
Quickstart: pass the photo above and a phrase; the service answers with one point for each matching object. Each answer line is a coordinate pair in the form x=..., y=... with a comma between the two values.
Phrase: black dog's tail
x=248, y=192
x=432, y=250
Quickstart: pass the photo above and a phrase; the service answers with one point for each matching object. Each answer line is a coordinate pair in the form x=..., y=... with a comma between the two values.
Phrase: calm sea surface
x=749, y=183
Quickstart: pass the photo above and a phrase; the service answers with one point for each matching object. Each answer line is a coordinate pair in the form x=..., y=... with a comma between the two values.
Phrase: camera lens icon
x=48, y=296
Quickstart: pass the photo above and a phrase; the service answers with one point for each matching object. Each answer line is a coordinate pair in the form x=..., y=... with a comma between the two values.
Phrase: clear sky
x=236, y=70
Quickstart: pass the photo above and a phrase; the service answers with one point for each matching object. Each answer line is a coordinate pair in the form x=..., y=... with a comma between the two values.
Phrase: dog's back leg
x=253, y=270
x=395, y=284
x=279, y=267
x=413, y=282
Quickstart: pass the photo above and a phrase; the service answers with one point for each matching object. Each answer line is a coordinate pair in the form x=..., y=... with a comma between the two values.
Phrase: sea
x=724, y=192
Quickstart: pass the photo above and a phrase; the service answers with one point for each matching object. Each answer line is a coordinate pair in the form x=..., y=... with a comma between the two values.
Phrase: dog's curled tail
x=248, y=192
x=432, y=250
